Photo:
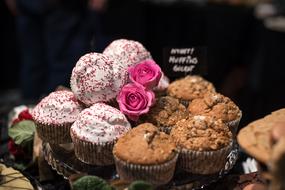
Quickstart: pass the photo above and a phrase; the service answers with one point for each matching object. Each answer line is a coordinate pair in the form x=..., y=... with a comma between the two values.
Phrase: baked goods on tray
x=118, y=119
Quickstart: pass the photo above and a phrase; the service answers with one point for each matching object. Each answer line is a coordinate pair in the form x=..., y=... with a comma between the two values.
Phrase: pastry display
x=95, y=132
x=145, y=153
x=54, y=116
x=184, y=122
x=204, y=144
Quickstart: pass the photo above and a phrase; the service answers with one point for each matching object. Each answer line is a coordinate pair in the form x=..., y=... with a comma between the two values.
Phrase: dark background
x=245, y=59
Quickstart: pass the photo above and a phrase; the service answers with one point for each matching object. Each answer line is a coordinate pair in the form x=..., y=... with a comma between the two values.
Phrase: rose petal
x=135, y=100
x=146, y=73
x=141, y=105
x=151, y=97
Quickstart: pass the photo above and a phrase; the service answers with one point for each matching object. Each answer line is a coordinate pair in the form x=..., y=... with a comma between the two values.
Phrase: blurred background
x=41, y=40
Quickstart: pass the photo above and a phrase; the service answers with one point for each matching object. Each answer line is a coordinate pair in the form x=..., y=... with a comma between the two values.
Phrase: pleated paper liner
x=203, y=162
x=99, y=154
x=66, y=164
x=166, y=129
x=233, y=125
x=54, y=134
x=158, y=174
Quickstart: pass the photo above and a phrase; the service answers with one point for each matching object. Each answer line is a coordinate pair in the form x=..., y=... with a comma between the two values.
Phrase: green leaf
x=140, y=185
x=91, y=183
x=23, y=132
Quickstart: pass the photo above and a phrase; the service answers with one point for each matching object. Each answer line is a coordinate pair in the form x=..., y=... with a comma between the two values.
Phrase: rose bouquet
x=136, y=97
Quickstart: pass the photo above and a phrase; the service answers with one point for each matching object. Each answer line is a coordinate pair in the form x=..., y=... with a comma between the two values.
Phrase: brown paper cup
x=203, y=162
x=54, y=134
x=233, y=125
x=99, y=154
x=156, y=174
x=166, y=129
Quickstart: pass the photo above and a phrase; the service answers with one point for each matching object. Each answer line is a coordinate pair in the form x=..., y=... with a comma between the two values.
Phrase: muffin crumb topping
x=166, y=112
x=145, y=145
x=215, y=105
x=190, y=88
x=201, y=133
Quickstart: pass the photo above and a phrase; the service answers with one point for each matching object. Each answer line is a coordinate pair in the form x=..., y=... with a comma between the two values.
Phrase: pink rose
x=134, y=100
x=146, y=73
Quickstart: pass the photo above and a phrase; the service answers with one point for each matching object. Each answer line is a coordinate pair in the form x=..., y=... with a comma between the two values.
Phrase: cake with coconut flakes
x=92, y=79
x=95, y=132
x=54, y=116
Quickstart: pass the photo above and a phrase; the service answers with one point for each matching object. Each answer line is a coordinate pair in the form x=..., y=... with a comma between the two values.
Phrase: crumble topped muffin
x=166, y=113
x=95, y=132
x=54, y=116
x=204, y=143
x=215, y=105
x=145, y=144
x=219, y=107
x=201, y=133
x=92, y=79
x=58, y=108
x=145, y=153
x=190, y=88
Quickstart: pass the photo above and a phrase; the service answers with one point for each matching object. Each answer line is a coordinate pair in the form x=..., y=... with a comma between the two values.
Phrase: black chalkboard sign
x=179, y=62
